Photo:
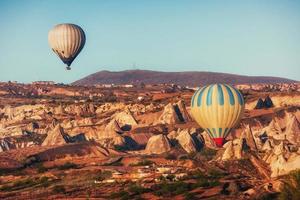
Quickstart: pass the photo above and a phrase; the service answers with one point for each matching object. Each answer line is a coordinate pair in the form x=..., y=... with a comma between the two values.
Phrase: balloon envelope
x=217, y=108
x=66, y=40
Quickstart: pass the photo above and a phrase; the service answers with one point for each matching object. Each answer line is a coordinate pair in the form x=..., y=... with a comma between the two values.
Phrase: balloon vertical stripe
x=193, y=97
x=231, y=98
x=220, y=95
x=200, y=97
x=209, y=95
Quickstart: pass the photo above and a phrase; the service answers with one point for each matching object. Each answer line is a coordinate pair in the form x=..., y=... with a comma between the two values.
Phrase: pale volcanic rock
x=92, y=108
x=81, y=109
x=168, y=116
x=284, y=128
x=183, y=111
x=281, y=160
x=4, y=145
x=288, y=100
x=125, y=118
x=248, y=136
x=67, y=124
x=113, y=141
x=233, y=149
x=59, y=110
x=90, y=132
x=267, y=146
x=109, y=137
x=113, y=126
x=173, y=134
x=52, y=125
x=207, y=140
x=56, y=137
x=229, y=151
x=158, y=144
x=278, y=101
x=274, y=130
x=281, y=166
x=85, y=122
x=110, y=107
x=292, y=129
x=279, y=149
x=19, y=113
x=174, y=113
x=10, y=131
x=32, y=127
x=186, y=141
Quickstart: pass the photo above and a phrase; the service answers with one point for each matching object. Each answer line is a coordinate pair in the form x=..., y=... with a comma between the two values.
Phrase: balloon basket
x=219, y=142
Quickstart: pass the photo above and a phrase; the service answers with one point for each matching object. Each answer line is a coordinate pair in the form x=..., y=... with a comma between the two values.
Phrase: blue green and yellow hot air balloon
x=217, y=108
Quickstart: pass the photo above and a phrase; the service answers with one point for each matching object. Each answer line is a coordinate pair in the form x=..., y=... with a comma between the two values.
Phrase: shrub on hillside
x=291, y=188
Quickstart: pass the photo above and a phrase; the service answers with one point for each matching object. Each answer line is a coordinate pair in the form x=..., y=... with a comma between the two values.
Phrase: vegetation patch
x=123, y=195
x=216, y=174
x=26, y=183
x=41, y=168
x=142, y=163
x=170, y=157
x=4, y=171
x=138, y=190
x=171, y=189
x=67, y=165
x=59, y=189
x=208, y=153
x=291, y=188
x=103, y=175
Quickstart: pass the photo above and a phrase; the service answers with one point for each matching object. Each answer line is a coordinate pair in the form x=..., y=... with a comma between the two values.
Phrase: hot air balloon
x=217, y=108
x=66, y=40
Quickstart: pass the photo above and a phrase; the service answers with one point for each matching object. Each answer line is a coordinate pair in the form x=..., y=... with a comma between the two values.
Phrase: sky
x=249, y=37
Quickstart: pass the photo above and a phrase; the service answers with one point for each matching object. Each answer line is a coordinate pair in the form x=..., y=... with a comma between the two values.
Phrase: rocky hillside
x=190, y=78
x=59, y=147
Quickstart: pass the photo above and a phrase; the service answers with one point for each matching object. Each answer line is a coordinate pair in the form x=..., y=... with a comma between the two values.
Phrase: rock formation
x=233, y=149
x=259, y=104
x=110, y=136
x=268, y=102
x=292, y=129
x=186, y=141
x=267, y=147
x=174, y=113
x=56, y=137
x=158, y=144
x=125, y=119
x=207, y=140
x=182, y=109
x=249, y=138
x=274, y=130
x=113, y=126
x=281, y=160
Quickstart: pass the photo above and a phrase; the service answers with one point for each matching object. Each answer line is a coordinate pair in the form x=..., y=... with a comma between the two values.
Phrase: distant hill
x=190, y=78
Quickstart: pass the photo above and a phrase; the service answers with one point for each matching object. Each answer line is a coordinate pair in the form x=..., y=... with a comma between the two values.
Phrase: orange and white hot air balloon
x=66, y=40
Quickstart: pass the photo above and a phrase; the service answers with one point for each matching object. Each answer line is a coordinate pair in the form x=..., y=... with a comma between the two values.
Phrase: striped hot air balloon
x=66, y=40
x=217, y=108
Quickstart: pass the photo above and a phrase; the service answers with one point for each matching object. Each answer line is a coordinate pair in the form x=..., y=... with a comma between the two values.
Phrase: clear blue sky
x=243, y=37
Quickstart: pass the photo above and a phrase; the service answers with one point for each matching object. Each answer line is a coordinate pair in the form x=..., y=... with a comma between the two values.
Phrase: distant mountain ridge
x=188, y=78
